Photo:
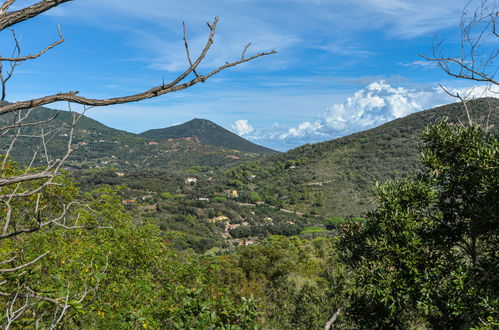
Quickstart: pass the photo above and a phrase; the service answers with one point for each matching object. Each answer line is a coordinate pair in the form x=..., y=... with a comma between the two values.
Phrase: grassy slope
x=348, y=167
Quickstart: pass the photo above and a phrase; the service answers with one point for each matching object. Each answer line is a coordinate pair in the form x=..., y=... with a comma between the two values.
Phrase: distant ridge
x=337, y=177
x=100, y=146
x=206, y=132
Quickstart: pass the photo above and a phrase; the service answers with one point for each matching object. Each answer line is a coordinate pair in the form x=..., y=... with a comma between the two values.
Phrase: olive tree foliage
x=427, y=257
x=39, y=199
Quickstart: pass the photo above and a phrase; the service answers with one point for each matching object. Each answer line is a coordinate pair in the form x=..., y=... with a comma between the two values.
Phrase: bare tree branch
x=6, y=5
x=331, y=321
x=186, y=44
x=477, y=60
x=37, y=123
x=11, y=18
x=26, y=177
x=244, y=51
x=40, y=53
x=467, y=72
x=15, y=269
x=173, y=86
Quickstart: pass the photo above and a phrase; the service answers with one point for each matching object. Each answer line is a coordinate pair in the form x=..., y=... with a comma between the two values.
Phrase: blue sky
x=342, y=66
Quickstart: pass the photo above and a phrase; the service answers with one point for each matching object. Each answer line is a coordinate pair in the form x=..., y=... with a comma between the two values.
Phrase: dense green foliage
x=121, y=277
x=427, y=257
x=187, y=213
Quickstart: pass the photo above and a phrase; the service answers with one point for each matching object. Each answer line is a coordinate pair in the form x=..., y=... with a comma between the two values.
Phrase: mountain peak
x=208, y=133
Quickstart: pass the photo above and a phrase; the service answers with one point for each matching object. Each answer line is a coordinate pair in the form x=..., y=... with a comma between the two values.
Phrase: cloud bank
x=377, y=103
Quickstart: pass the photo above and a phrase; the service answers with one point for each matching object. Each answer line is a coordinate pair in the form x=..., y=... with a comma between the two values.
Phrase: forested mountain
x=100, y=146
x=206, y=132
x=337, y=177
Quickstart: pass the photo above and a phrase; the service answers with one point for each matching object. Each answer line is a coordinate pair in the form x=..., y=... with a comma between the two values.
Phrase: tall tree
x=427, y=256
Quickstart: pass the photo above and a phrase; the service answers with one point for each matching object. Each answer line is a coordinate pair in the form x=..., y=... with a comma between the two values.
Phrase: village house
x=129, y=202
x=232, y=193
x=191, y=180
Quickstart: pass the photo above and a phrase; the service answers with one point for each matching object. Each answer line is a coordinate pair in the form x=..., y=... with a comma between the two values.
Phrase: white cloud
x=419, y=64
x=242, y=127
x=476, y=91
x=378, y=103
x=304, y=129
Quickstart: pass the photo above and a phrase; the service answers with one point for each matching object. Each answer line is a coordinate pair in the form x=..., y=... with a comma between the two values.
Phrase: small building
x=129, y=202
x=232, y=193
x=249, y=242
x=152, y=143
x=203, y=199
x=191, y=180
x=120, y=174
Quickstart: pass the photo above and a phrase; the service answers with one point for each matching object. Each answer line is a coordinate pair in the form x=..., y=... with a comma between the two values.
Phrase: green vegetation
x=229, y=252
x=427, y=256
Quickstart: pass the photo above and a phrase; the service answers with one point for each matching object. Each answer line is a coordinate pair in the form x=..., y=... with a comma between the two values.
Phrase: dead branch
x=8, y=19
x=477, y=28
x=171, y=87
x=37, y=123
x=331, y=321
x=40, y=53
x=15, y=269
x=466, y=71
x=16, y=52
x=6, y=5
x=244, y=50
x=25, y=178
x=186, y=45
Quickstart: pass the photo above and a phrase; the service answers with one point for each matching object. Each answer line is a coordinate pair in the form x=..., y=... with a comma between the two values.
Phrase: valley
x=305, y=187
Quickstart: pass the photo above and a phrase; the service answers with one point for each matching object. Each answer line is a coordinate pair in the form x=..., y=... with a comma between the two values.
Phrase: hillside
x=337, y=177
x=206, y=132
x=104, y=147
